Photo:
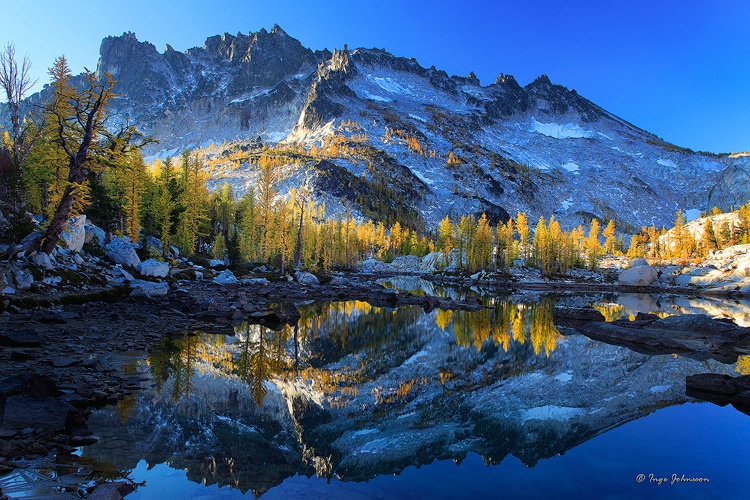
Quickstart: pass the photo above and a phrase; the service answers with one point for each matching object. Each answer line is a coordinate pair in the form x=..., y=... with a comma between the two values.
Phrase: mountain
x=423, y=143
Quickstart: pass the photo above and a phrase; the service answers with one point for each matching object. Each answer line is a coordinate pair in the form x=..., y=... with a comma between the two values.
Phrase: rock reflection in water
x=354, y=391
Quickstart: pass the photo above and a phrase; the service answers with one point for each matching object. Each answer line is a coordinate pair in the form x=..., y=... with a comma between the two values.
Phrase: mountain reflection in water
x=355, y=391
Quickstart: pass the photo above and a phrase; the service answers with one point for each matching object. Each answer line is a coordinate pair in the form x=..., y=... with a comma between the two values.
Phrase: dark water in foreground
x=365, y=402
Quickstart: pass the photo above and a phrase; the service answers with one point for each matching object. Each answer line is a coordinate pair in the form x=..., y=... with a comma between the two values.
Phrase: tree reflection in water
x=259, y=356
x=328, y=332
x=355, y=390
x=503, y=323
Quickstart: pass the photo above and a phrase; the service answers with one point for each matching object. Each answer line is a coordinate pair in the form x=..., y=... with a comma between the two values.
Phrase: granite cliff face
x=541, y=148
x=233, y=87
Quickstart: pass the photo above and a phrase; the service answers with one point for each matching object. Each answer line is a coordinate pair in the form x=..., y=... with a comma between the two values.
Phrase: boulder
x=226, y=278
x=407, y=263
x=638, y=262
x=153, y=268
x=8, y=290
x=256, y=281
x=148, y=289
x=95, y=234
x=743, y=266
x=338, y=281
x=50, y=414
x=111, y=491
x=372, y=266
x=23, y=278
x=122, y=251
x=41, y=259
x=638, y=276
x=154, y=243
x=215, y=263
x=29, y=384
x=118, y=271
x=305, y=278
x=52, y=280
x=74, y=234
x=20, y=338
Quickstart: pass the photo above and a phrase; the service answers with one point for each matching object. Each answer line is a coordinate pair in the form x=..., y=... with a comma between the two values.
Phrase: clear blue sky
x=680, y=69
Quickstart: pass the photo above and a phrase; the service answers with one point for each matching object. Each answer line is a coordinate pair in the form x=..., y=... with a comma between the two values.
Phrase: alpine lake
x=364, y=402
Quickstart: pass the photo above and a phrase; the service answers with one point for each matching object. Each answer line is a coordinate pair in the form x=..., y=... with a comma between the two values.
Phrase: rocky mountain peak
x=541, y=81
x=503, y=79
x=123, y=56
x=472, y=79
x=276, y=30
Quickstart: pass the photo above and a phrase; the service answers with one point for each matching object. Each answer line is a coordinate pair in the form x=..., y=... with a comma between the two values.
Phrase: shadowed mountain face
x=460, y=147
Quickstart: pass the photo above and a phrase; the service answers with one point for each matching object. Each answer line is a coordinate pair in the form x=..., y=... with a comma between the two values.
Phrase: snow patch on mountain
x=561, y=130
x=666, y=163
x=389, y=85
x=571, y=167
x=378, y=98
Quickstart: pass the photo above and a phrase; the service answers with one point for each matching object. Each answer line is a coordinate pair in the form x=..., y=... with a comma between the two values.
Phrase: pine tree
x=708, y=239
x=266, y=201
x=445, y=239
x=79, y=119
x=593, y=247
x=522, y=228
x=609, y=237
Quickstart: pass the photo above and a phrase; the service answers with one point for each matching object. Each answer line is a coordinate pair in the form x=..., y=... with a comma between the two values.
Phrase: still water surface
x=366, y=402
